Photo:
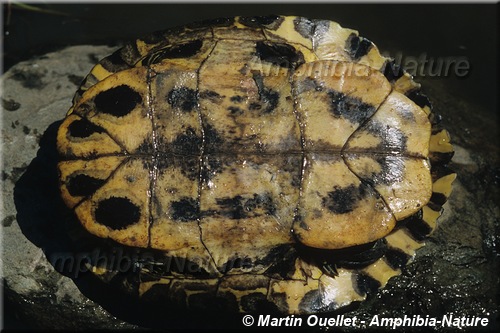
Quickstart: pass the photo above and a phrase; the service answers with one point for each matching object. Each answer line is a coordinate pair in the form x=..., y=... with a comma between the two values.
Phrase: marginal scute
x=186, y=209
x=184, y=50
x=287, y=32
x=357, y=47
x=305, y=27
x=279, y=54
x=270, y=22
x=392, y=71
x=78, y=137
x=81, y=178
x=121, y=106
x=119, y=208
x=262, y=164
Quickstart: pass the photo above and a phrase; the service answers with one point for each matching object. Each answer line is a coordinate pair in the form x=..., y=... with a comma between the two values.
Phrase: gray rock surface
x=456, y=273
x=36, y=94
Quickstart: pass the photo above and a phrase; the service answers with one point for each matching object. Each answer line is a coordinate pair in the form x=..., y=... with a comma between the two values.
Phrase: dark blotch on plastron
x=344, y=200
x=213, y=140
x=187, y=142
x=269, y=22
x=280, y=54
x=357, y=47
x=183, y=98
x=393, y=170
x=262, y=201
x=117, y=213
x=351, y=108
x=83, y=185
x=146, y=147
x=239, y=208
x=392, y=71
x=268, y=97
x=231, y=207
x=236, y=263
x=392, y=139
x=211, y=167
x=189, y=165
x=235, y=111
x=280, y=260
x=117, y=101
x=213, y=96
x=236, y=99
x=82, y=128
x=271, y=99
x=365, y=284
x=294, y=165
x=254, y=106
x=307, y=84
x=184, y=50
x=187, y=209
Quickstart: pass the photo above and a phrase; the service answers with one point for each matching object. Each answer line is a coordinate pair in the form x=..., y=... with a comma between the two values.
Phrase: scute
x=267, y=157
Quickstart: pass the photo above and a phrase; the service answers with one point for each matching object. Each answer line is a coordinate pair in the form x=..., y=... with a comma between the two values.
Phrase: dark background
x=438, y=30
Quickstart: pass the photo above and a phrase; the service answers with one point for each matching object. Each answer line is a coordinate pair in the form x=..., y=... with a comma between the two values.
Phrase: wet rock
x=456, y=273
x=39, y=93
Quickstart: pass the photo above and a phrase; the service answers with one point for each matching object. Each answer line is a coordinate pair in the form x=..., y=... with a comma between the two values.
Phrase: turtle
x=269, y=163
